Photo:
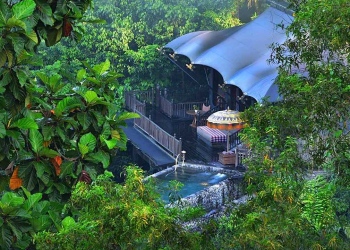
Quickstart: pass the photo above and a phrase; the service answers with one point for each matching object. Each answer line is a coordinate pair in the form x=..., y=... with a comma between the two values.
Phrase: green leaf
x=3, y=58
x=40, y=168
x=81, y=74
x=22, y=77
x=2, y=130
x=54, y=35
x=41, y=223
x=36, y=140
x=67, y=104
x=90, y=96
x=84, y=119
x=6, y=238
x=32, y=200
x=83, y=149
x=23, y=56
x=110, y=143
x=67, y=168
x=89, y=140
x=32, y=35
x=14, y=22
x=101, y=68
x=45, y=13
x=23, y=9
x=30, y=181
x=55, y=219
x=68, y=222
x=48, y=132
x=4, y=12
x=128, y=115
x=50, y=153
x=25, y=123
x=99, y=117
x=11, y=200
x=100, y=157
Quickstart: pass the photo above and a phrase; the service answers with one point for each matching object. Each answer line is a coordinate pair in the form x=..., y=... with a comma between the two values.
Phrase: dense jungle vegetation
x=61, y=112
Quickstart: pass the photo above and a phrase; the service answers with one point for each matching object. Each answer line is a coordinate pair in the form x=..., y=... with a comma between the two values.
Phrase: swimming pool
x=195, y=178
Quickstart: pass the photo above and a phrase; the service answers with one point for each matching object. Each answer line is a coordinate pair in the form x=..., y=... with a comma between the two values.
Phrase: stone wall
x=214, y=196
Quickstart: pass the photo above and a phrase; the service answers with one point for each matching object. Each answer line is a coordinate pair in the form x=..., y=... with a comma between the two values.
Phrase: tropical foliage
x=130, y=216
x=134, y=31
x=307, y=131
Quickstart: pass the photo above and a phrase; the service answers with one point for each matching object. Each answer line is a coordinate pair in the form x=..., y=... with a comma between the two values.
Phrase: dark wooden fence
x=134, y=104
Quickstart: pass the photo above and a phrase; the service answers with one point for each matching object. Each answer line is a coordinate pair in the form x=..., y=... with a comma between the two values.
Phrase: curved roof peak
x=240, y=53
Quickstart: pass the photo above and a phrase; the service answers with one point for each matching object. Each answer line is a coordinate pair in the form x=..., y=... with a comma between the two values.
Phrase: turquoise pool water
x=194, y=180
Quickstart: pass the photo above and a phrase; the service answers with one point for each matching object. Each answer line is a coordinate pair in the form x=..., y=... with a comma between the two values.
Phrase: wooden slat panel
x=167, y=141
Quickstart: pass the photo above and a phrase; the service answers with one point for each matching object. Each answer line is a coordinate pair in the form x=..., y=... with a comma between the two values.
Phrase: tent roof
x=240, y=53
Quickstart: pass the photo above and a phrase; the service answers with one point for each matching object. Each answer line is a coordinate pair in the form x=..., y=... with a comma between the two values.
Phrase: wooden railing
x=167, y=141
x=133, y=104
x=177, y=110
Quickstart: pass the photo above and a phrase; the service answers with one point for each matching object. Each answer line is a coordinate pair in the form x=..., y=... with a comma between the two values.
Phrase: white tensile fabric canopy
x=240, y=53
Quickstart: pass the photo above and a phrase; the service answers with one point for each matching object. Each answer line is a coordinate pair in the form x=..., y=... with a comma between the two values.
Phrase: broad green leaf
x=48, y=132
x=22, y=77
x=41, y=223
x=3, y=58
x=4, y=12
x=30, y=181
x=45, y=178
x=81, y=74
x=25, y=155
x=40, y=168
x=115, y=134
x=11, y=200
x=100, y=157
x=111, y=143
x=99, y=117
x=68, y=222
x=25, y=169
x=50, y=153
x=90, y=96
x=36, y=140
x=24, y=123
x=14, y=22
x=45, y=13
x=16, y=232
x=67, y=103
x=55, y=219
x=17, y=43
x=6, y=237
x=23, y=56
x=23, y=9
x=32, y=200
x=128, y=115
x=62, y=188
x=84, y=120
x=101, y=68
x=83, y=149
x=32, y=35
x=2, y=130
x=9, y=58
x=88, y=140
x=67, y=168
x=53, y=36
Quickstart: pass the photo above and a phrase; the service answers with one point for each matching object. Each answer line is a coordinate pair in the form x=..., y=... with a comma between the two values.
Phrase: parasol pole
x=227, y=141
